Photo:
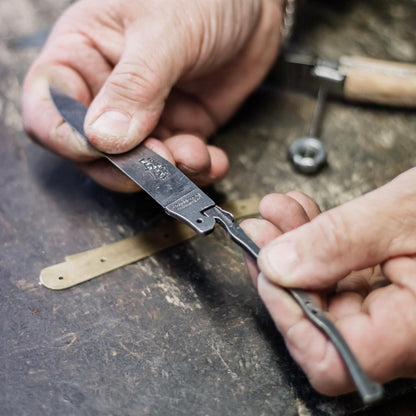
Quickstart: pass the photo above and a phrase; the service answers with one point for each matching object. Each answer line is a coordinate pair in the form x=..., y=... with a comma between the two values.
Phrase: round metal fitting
x=307, y=155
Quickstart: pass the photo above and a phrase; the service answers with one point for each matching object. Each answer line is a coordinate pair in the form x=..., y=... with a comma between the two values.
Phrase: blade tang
x=168, y=186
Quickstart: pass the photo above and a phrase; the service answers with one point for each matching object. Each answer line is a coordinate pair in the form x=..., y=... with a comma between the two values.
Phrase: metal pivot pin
x=308, y=154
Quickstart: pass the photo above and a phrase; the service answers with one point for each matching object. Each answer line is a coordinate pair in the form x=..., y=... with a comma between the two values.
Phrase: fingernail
x=112, y=124
x=279, y=262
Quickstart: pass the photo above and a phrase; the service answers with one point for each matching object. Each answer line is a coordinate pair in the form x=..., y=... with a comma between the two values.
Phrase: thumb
x=129, y=104
x=353, y=236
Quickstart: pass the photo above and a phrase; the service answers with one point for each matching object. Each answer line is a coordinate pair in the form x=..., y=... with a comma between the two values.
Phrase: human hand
x=359, y=262
x=172, y=70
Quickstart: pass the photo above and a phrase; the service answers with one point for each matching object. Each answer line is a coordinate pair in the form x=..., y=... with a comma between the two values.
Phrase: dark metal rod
x=318, y=114
x=369, y=390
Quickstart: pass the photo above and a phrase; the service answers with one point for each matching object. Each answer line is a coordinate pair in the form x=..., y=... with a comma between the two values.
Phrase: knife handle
x=376, y=81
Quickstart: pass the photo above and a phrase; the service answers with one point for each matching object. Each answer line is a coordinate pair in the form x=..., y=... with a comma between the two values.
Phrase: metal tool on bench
x=183, y=200
x=353, y=78
x=308, y=154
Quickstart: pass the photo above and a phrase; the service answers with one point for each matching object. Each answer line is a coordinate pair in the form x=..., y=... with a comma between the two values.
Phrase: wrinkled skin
x=359, y=262
x=172, y=70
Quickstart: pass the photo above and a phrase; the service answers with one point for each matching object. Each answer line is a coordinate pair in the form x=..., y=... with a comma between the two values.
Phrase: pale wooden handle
x=382, y=82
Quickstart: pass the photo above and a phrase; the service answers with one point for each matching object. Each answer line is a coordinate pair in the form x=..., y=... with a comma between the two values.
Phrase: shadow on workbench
x=402, y=406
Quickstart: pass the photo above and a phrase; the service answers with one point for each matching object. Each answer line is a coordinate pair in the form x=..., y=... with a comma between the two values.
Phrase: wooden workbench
x=182, y=332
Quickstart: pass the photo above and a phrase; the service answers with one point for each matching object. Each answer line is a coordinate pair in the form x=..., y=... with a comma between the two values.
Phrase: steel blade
x=165, y=183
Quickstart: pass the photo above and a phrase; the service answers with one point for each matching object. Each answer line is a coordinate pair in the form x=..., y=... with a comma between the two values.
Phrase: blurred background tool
x=308, y=154
x=351, y=77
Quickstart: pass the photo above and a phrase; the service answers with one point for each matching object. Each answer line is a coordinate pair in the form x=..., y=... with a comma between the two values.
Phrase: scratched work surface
x=183, y=332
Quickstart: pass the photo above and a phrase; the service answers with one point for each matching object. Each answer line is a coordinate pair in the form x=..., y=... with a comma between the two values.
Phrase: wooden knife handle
x=376, y=81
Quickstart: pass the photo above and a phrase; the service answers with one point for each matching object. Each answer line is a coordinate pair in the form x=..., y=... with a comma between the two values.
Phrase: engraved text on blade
x=157, y=170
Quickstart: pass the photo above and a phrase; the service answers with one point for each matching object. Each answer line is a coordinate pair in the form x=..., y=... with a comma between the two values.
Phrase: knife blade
x=186, y=202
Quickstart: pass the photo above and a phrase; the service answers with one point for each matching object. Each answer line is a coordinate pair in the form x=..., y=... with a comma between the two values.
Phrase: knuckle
x=327, y=375
x=276, y=201
x=270, y=200
x=317, y=357
x=297, y=195
x=29, y=127
x=293, y=205
x=333, y=231
x=306, y=201
x=135, y=84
